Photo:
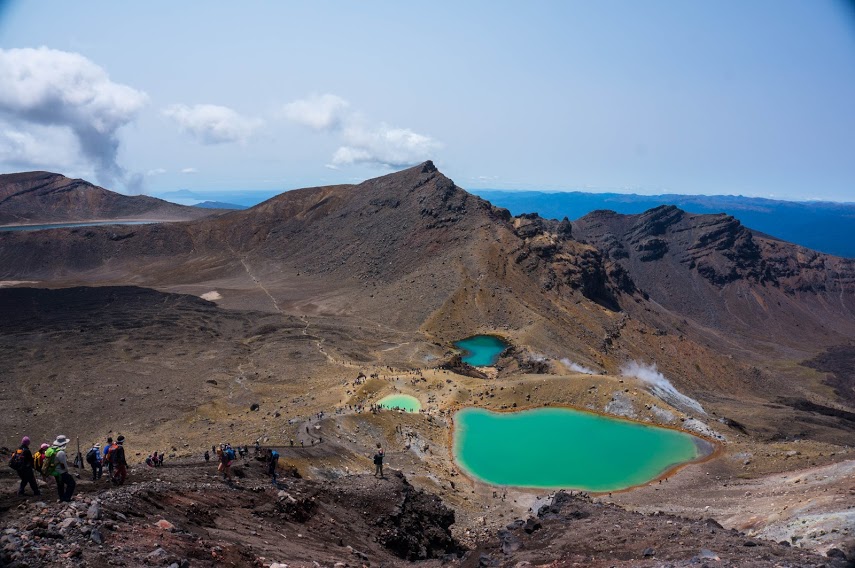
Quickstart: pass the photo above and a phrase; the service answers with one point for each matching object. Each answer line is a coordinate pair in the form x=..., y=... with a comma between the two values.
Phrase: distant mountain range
x=30, y=198
x=822, y=226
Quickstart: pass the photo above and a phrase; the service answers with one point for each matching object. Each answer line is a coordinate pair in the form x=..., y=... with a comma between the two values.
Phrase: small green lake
x=563, y=448
x=481, y=350
x=403, y=402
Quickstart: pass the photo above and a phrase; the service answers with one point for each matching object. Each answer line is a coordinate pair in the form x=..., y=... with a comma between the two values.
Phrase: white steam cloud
x=51, y=88
x=361, y=142
x=212, y=124
x=577, y=367
x=659, y=386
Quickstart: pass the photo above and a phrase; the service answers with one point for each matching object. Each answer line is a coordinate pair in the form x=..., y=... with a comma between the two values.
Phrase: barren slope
x=31, y=198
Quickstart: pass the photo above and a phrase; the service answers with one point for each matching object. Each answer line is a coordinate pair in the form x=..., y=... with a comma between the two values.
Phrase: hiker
x=272, y=463
x=160, y=459
x=207, y=456
x=56, y=464
x=149, y=461
x=104, y=460
x=116, y=456
x=39, y=458
x=257, y=447
x=226, y=455
x=93, y=458
x=378, y=461
x=22, y=462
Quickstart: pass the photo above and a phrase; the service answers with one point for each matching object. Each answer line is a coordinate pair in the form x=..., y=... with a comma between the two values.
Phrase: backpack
x=230, y=453
x=92, y=456
x=49, y=463
x=274, y=455
x=17, y=460
x=117, y=455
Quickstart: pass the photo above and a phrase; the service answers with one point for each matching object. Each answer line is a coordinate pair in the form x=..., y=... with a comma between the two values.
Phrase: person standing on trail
x=56, y=464
x=207, y=456
x=116, y=456
x=272, y=463
x=226, y=456
x=39, y=458
x=378, y=461
x=104, y=460
x=22, y=462
x=93, y=458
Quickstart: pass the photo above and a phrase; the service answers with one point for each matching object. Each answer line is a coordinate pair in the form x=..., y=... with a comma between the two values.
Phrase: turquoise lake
x=400, y=401
x=555, y=448
x=481, y=350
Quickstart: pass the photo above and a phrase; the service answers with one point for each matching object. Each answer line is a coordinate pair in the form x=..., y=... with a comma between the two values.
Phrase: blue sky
x=729, y=97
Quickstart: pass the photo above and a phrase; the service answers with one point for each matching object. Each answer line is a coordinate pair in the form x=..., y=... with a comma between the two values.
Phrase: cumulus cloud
x=321, y=112
x=384, y=145
x=156, y=172
x=55, y=88
x=38, y=147
x=212, y=124
x=361, y=141
x=189, y=171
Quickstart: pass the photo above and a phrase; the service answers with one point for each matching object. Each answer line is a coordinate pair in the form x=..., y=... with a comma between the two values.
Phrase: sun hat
x=44, y=447
x=120, y=440
x=97, y=446
x=25, y=441
x=61, y=441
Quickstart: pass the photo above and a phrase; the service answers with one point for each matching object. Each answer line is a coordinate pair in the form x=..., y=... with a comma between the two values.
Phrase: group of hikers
x=226, y=456
x=51, y=460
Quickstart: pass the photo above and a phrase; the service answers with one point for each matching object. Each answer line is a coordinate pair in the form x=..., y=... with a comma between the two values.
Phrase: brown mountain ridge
x=182, y=326
x=31, y=198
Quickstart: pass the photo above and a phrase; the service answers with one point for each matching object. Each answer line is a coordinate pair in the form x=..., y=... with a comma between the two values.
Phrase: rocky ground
x=183, y=514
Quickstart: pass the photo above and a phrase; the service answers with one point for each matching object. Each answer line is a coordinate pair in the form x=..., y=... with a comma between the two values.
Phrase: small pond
x=481, y=350
x=563, y=448
x=403, y=402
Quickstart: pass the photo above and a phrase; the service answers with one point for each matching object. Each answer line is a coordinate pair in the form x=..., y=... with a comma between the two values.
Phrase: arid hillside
x=31, y=198
x=284, y=321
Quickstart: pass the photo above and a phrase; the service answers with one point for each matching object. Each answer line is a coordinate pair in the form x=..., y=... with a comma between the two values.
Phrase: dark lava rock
x=419, y=528
x=254, y=406
x=531, y=525
x=648, y=552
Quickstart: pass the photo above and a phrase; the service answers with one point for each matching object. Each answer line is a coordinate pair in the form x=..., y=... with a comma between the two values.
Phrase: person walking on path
x=107, y=448
x=93, y=458
x=120, y=464
x=23, y=457
x=65, y=483
x=39, y=458
x=226, y=456
x=272, y=463
x=378, y=461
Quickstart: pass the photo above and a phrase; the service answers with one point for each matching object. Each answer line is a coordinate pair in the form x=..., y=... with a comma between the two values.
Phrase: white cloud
x=61, y=89
x=212, y=124
x=321, y=112
x=189, y=171
x=38, y=147
x=155, y=172
x=384, y=145
x=361, y=142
